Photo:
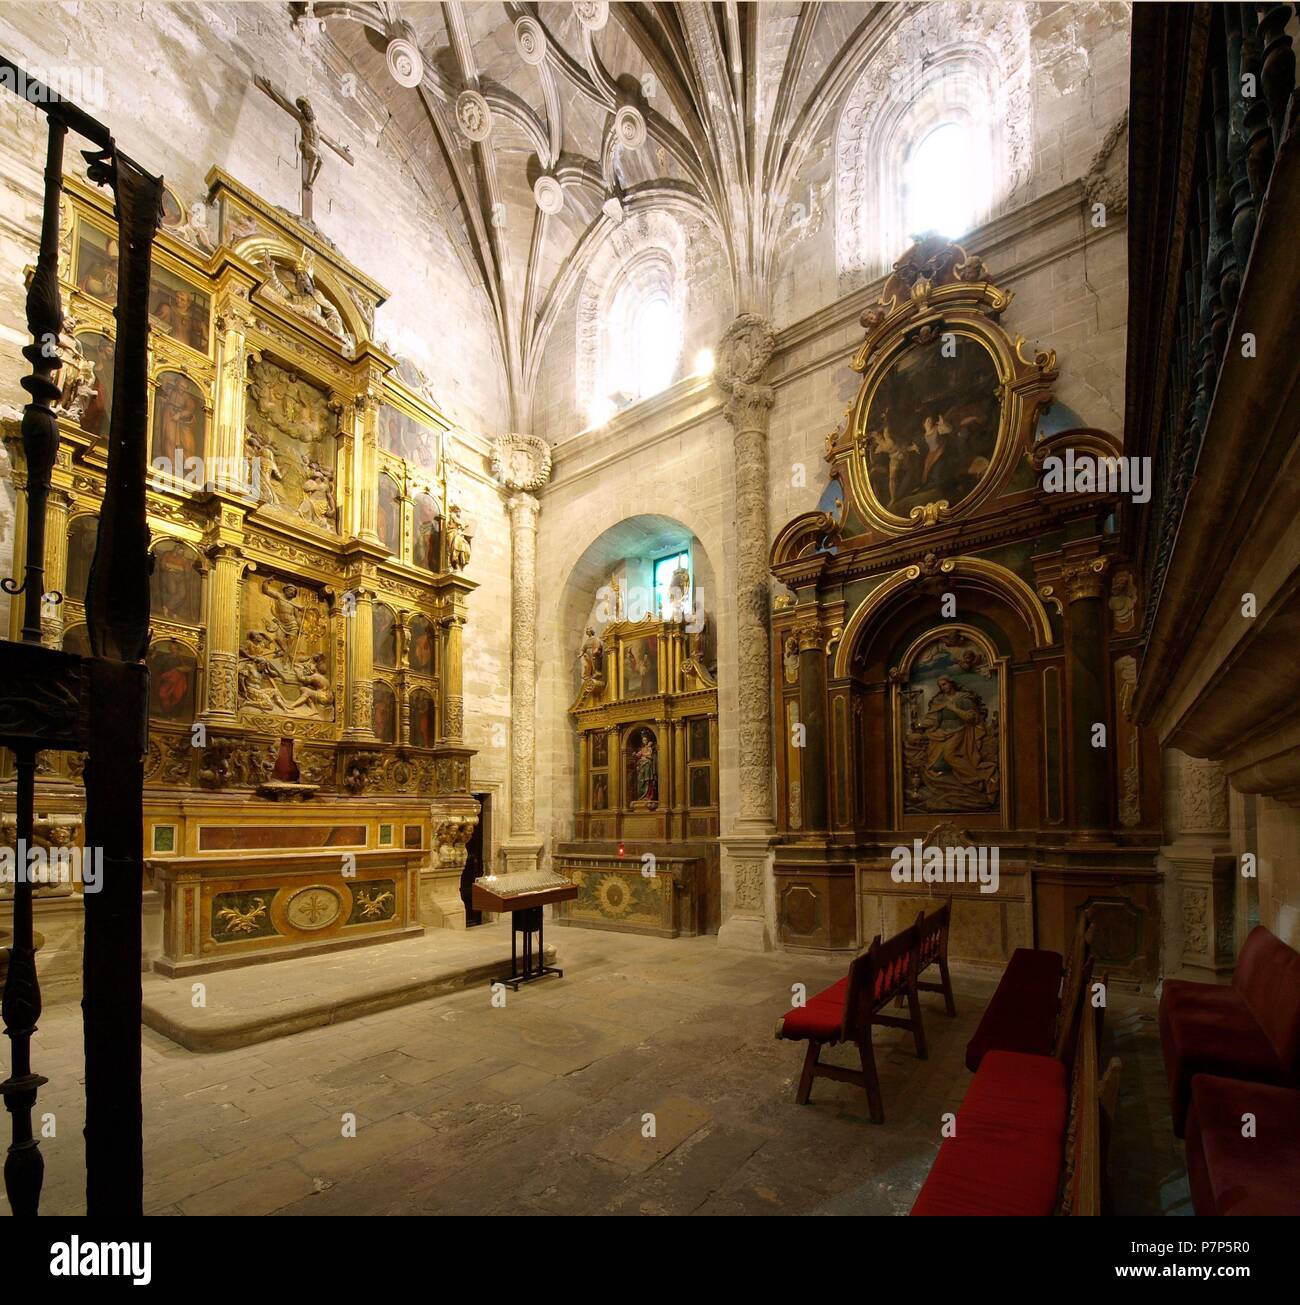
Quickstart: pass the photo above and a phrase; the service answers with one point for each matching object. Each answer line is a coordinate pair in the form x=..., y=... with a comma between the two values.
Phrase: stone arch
x=581, y=564
x=951, y=61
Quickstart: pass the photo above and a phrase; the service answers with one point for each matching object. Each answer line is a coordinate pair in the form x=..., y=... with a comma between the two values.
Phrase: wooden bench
x=848, y=1010
x=1026, y=1011
x=1030, y=1135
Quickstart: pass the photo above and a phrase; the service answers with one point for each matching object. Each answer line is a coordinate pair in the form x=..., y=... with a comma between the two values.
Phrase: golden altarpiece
x=307, y=782
x=645, y=853
x=954, y=649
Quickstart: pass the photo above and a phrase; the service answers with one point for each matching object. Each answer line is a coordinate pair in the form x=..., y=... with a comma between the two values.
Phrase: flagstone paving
x=646, y=1080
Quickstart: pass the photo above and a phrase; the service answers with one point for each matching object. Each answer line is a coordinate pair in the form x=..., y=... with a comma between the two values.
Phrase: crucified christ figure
x=310, y=138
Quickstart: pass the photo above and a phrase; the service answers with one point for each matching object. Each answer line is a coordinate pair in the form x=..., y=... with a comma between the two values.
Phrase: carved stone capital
x=521, y=462
x=1084, y=579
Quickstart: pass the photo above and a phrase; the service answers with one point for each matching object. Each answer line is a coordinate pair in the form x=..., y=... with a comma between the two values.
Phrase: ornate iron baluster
x=46, y=696
x=24, y=1166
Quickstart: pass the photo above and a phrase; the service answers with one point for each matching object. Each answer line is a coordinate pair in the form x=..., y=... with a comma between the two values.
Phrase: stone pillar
x=1200, y=870
x=742, y=361
x=523, y=848
x=1086, y=669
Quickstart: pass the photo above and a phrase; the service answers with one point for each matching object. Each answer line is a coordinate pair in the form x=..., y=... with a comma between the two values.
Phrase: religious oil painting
x=383, y=714
x=700, y=787
x=179, y=310
x=96, y=272
x=98, y=351
x=428, y=532
x=81, y=549
x=405, y=437
x=384, y=631
x=949, y=727
x=289, y=442
x=284, y=660
x=420, y=652
x=424, y=723
x=643, y=767
x=931, y=425
x=640, y=667
x=698, y=734
x=600, y=792
x=389, y=504
x=179, y=425
x=175, y=588
x=173, y=675
x=600, y=750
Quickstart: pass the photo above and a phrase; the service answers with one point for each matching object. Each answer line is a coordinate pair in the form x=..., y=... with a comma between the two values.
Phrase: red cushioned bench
x=1024, y=1012
x=1230, y=1173
x=850, y=1007
x=1028, y=1136
x=1249, y=1031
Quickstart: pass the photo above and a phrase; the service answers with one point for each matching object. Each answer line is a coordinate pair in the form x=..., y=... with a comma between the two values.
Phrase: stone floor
x=540, y=1106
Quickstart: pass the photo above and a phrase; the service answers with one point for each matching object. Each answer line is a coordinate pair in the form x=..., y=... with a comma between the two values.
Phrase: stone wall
x=672, y=455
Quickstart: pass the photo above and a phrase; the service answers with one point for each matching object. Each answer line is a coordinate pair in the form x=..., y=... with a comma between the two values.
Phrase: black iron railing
x=50, y=699
x=1212, y=93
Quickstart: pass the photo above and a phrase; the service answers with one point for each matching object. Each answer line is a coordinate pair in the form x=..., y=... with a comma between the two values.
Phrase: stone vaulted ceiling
x=544, y=126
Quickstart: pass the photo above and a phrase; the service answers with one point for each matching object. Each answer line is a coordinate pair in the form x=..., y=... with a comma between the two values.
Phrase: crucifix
x=310, y=138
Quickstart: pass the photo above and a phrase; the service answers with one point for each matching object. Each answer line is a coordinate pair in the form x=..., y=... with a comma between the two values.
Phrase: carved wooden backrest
x=881, y=973
x=932, y=936
x=1073, y=981
x=1092, y=1112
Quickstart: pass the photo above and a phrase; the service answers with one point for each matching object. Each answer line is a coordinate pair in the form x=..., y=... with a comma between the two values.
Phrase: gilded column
x=742, y=362
x=359, y=610
x=221, y=694
x=229, y=470
x=451, y=679
x=524, y=846
x=58, y=506
x=365, y=499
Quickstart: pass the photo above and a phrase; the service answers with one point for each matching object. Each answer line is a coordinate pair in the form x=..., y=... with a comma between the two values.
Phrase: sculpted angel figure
x=264, y=471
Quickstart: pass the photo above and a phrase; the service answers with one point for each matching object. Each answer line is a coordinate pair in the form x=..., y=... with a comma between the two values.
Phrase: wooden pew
x=1031, y=1133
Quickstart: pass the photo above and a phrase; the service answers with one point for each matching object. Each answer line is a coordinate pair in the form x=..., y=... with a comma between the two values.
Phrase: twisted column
x=742, y=361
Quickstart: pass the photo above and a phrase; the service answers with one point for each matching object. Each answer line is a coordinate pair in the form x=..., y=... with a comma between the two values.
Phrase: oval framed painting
x=930, y=428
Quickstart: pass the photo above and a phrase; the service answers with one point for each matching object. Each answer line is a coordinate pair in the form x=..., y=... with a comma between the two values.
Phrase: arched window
x=946, y=181
x=936, y=134
x=631, y=314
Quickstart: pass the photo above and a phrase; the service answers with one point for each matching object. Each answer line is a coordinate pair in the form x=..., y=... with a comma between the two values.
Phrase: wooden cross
x=310, y=139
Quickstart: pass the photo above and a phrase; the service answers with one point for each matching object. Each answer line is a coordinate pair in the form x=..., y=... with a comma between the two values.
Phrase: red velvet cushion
x=1021, y=1015
x=987, y=1174
x=1018, y=1093
x=1268, y=978
x=1206, y=1029
x=1232, y=1174
x=1006, y=1154
x=821, y=1019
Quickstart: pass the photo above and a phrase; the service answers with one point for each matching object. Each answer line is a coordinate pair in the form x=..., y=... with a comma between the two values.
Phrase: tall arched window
x=946, y=181
x=631, y=313
x=936, y=134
